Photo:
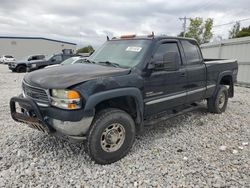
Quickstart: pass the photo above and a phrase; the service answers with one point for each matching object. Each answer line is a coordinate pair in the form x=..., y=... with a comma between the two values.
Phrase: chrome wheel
x=222, y=99
x=113, y=137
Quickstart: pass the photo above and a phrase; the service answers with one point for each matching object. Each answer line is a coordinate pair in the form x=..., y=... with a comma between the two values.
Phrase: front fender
x=94, y=99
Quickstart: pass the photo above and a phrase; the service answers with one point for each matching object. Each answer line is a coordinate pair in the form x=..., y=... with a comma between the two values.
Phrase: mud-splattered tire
x=111, y=136
x=218, y=103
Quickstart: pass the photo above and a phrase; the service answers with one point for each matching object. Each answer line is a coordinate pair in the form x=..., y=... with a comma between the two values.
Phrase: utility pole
x=184, y=25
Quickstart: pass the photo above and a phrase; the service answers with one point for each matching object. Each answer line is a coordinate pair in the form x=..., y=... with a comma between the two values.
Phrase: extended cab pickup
x=126, y=82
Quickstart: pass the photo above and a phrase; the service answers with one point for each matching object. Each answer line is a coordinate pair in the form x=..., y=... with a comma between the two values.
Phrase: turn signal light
x=73, y=94
x=128, y=36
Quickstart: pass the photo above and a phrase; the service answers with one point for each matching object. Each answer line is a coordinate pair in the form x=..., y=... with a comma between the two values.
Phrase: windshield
x=69, y=60
x=8, y=56
x=125, y=53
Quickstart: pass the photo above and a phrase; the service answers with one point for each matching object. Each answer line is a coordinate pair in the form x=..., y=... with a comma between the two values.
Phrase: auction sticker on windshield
x=134, y=49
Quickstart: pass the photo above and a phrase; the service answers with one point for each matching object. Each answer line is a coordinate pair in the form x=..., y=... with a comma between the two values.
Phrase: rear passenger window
x=192, y=52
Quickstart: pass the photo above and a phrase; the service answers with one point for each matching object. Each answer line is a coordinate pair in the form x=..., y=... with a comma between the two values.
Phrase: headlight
x=66, y=99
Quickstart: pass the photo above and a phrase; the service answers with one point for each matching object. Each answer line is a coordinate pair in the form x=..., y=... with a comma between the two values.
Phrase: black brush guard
x=33, y=118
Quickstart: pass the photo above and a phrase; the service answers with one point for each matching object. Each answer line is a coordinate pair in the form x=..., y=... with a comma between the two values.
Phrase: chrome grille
x=35, y=93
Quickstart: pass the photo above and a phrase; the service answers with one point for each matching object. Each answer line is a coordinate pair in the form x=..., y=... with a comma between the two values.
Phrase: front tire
x=111, y=136
x=218, y=103
x=21, y=68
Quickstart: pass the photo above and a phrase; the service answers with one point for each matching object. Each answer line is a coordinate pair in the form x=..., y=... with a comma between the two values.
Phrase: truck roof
x=150, y=37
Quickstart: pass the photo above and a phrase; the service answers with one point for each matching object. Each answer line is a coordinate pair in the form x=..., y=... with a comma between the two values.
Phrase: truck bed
x=217, y=68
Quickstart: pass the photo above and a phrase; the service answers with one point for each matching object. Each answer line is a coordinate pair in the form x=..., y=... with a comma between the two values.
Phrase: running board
x=168, y=116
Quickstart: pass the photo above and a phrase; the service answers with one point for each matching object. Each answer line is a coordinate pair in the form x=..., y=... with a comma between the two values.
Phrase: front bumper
x=12, y=65
x=34, y=117
x=7, y=62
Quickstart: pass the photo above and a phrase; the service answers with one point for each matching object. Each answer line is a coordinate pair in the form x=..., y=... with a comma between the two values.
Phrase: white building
x=238, y=48
x=24, y=46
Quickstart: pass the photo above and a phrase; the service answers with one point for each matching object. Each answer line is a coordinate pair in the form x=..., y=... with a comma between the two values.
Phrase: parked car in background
x=35, y=62
x=21, y=65
x=69, y=61
x=5, y=59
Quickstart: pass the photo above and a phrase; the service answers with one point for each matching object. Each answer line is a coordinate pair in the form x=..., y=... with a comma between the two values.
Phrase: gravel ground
x=197, y=149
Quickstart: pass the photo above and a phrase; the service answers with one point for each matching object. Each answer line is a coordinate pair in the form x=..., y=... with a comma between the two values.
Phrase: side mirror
x=169, y=61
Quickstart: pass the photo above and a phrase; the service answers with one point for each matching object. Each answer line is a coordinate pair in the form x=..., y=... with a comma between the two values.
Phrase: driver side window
x=167, y=55
x=164, y=48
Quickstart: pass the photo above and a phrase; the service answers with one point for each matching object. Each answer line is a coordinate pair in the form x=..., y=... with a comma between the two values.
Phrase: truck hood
x=21, y=62
x=62, y=77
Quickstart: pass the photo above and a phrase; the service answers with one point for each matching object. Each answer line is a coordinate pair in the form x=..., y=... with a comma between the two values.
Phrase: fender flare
x=221, y=75
x=96, y=98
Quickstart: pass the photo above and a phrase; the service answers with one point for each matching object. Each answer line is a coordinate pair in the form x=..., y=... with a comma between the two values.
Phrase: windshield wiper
x=89, y=61
x=109, y=63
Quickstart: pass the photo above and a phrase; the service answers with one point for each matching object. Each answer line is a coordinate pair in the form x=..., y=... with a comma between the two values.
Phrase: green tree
x=207, y=31
x=195, y=29
x=244, y=32
x=200, y=30
x=86, y=49
x=235, y=30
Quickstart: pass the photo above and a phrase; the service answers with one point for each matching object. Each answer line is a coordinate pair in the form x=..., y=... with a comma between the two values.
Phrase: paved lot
x=197, y=149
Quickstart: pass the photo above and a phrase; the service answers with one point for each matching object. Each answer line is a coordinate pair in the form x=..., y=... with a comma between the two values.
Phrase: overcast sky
x=88, y=22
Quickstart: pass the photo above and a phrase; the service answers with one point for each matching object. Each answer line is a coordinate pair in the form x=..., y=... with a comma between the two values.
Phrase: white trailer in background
x=238, y=48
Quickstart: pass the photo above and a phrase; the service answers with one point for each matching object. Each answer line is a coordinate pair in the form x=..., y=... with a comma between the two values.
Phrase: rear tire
x=21, y=68
x=111, y=136
x=218, y=103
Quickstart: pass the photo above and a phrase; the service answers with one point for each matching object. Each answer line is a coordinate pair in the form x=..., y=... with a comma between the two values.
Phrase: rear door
x=196, y=71
x=165, y=89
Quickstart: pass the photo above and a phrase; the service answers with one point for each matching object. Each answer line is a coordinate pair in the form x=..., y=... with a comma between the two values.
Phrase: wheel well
x=228, y=80
x=128, y=104
x=21, y=65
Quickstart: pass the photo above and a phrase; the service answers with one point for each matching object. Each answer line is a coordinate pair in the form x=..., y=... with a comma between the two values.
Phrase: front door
x=164, y=89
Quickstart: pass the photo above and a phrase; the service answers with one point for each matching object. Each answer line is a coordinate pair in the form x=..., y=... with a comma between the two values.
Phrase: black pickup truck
x=128, y=81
